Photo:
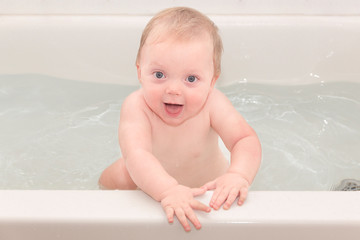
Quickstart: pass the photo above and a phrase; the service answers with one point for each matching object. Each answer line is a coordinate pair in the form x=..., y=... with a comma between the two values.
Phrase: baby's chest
x=179, y=138
x=187, y=141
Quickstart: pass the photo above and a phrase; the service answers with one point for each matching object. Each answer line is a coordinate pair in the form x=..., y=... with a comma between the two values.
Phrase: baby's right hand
x=179, y=200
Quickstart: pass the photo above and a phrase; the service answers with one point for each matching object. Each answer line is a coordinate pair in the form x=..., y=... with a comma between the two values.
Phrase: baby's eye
x=191, y=79
x=159, y=75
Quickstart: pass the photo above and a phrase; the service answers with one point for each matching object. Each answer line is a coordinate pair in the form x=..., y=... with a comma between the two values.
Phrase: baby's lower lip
x=173, y=110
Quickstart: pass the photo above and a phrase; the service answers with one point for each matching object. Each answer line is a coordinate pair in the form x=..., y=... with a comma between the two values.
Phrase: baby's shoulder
x=134, y=102
x=219, y=104
x=216, y=97
x=135, y=99
x=216, y=93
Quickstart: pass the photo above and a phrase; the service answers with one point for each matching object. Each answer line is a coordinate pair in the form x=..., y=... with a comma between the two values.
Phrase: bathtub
x=98, y=42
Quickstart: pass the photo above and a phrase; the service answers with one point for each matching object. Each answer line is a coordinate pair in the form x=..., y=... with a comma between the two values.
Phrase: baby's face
x=177, y=77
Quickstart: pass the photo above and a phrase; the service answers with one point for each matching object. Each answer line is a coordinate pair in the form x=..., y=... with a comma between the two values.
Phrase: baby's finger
x=243, y=196
x=199, y=206
x=182, y=219
x=215, y=198
x=221, y=199
x=210, y=185
x=192, y=217
x=198, y=191
x=169, y=211
x=231, y=198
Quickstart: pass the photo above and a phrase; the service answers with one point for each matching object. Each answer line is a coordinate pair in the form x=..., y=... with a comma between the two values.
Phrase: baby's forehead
x=176, y=38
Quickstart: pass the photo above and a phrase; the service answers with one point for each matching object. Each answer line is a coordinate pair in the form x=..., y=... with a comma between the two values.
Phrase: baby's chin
x=174, y=121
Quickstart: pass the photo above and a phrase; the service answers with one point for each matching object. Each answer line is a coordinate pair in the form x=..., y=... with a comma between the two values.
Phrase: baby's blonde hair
x=183, y=23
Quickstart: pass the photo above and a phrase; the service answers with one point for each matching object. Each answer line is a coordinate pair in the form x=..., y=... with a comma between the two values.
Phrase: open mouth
x=173, y=109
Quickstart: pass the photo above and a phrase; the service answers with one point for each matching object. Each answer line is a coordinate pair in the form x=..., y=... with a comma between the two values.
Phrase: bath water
x=61, y=134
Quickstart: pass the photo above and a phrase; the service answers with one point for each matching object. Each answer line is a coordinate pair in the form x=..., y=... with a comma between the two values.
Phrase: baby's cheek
x=198, y=101
x=153, y=99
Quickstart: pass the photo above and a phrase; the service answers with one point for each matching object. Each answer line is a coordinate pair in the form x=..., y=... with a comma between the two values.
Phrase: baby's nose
x=174, y=88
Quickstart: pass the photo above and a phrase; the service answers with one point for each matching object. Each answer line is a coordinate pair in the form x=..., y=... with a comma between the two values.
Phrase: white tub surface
x=271, y=49
x=134, y=215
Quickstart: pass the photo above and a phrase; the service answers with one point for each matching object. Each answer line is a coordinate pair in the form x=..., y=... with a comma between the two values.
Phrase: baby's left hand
x=227, y=188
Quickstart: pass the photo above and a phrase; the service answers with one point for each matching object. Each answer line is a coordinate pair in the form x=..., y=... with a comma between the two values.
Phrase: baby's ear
x=213, y=81
x=138, y=71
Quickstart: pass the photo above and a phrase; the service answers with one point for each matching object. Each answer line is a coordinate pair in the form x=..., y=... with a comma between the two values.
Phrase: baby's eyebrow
x=156, y=64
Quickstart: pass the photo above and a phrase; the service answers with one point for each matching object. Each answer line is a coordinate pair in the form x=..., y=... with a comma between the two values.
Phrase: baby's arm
x=244, y=145
x=147, y=172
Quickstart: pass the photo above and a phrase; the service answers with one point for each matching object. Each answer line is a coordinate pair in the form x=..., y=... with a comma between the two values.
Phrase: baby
x=169, y=128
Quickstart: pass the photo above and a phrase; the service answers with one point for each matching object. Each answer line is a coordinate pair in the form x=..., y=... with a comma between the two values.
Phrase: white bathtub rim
x=261, y=207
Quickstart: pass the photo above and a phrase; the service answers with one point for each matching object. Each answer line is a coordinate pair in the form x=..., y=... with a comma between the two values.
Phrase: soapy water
x=61, y=134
